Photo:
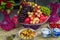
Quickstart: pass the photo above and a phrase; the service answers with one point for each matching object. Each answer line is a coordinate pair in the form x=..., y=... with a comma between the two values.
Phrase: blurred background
x=39, y=2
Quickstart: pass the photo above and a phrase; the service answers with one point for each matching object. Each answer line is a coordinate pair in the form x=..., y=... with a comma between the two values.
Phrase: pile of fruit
x=54, y=25
x=31, y=13
x=27, y=34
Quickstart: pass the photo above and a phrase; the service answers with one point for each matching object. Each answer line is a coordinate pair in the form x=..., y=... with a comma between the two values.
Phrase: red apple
x=27, y=20
x=42, y=18
x=41, y=21
x=41, y=15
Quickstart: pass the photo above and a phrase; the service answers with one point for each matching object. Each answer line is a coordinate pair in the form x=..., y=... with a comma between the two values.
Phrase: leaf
x=11, y=8
x=3, y=7
x=8, y=11
x=0, y=8
x=11, y=1
x=3, y=3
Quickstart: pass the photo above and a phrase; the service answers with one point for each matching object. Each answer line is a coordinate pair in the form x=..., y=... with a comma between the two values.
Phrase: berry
x=8, y=5
x=21, y=17
x=53, y=25
x=28, y=8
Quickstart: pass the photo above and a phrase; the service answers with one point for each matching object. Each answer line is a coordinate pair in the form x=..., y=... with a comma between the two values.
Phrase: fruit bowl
x=34, y=26
x=27, y=33
x=31, y=15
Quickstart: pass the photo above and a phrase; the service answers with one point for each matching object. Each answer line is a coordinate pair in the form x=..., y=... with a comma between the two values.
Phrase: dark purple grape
x=23, y=13
x=28, y=8
x=21, y=17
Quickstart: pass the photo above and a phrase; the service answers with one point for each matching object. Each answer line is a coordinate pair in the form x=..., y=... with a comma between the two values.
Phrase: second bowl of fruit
x=31, y=15
x=27, y=34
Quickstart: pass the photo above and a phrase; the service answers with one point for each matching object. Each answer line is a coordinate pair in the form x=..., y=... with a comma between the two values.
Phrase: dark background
x=39, y=2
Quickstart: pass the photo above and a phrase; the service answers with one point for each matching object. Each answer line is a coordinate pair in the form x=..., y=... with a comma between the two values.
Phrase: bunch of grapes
x=23, y=13
x=45, y=10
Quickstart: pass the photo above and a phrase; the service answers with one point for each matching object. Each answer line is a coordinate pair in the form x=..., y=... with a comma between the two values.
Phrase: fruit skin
x=54, y=25
x=35, y=20
x=8, y=5
x=58, y=26
x=35, y=13
x=31, y=3
x=14, y=19
x=27, y=20
x=42, y=18
x=30, y=14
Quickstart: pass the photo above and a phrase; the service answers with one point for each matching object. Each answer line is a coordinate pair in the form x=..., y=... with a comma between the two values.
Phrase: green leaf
x=8, y=11
x=12, y=8
x=3, y=7
x=3, y=3
x=0, y=8
x=11, y=1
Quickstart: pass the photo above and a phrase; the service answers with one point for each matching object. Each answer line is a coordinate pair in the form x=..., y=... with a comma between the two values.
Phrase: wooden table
x=4, y=34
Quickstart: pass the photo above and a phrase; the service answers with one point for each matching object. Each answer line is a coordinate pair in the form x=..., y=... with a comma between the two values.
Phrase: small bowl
x=25, y=29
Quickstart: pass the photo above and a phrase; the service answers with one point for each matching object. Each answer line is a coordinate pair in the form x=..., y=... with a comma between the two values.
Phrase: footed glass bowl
x=34, y=26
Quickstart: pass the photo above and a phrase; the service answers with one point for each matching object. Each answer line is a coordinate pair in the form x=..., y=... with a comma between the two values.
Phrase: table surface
x=4, y=34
